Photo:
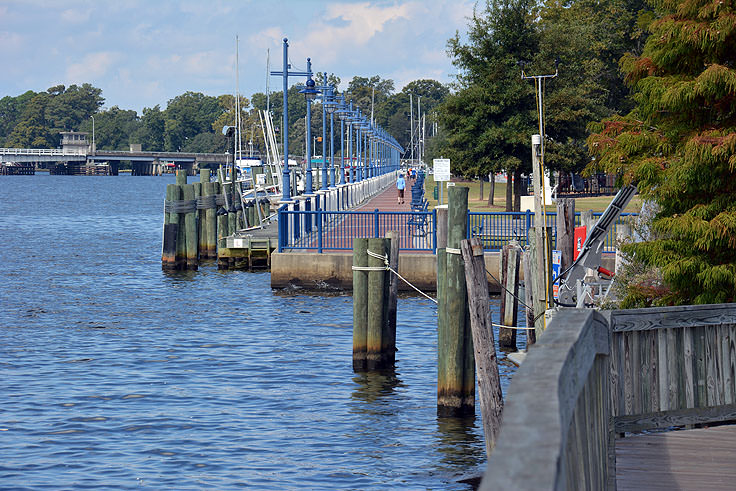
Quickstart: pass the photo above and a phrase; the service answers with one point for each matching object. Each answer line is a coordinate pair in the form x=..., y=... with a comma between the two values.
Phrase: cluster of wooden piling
x=374, y=303
x=198, y=216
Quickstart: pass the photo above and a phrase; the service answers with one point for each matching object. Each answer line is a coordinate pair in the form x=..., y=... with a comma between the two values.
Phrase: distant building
x=75, y=142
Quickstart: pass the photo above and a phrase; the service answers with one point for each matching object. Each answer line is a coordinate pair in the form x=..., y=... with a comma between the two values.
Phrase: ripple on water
x=118, y=375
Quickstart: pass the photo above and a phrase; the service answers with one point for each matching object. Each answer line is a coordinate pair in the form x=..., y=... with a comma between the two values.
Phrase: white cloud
x=10, y=41
x=92, y=66
x=349, y=26
x=75, y=16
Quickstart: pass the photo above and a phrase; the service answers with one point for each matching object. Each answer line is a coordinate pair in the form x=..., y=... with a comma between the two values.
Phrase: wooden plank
x=680, y=417
x=635, y=373
x=628, y=375
x=645, y=387
x=726, y=365
x=654, y=373
x=665, y=460
x=687, y=345
x=615, y=374
x=672, y=375
x=672, y=317
x=700, y=372
x=732, y=359
x=662, y=363
x=711, y=367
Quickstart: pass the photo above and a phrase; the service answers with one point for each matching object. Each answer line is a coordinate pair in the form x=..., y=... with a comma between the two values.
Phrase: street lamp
x=309, y=94
x=330, y=106
x=285, y=73
x=94, y=149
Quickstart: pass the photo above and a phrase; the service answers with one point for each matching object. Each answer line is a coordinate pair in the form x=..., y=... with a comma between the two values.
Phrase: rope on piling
x=180, y=206
x=207, y=202
x=387, y=267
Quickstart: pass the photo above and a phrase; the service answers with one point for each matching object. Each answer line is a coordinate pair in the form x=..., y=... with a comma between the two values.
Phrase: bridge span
x=143, y=163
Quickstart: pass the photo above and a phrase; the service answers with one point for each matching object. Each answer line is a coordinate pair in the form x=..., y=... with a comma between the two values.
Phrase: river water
x=118, y=375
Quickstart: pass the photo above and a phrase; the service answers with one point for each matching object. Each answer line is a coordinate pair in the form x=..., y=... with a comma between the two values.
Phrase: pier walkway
x=687, y=460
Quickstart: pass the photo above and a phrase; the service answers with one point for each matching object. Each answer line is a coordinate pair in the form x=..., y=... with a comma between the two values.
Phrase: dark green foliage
x=490, y=119
x=679, y=145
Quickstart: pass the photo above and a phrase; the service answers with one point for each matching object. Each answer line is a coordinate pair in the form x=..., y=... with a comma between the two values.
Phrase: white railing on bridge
x=41, y=151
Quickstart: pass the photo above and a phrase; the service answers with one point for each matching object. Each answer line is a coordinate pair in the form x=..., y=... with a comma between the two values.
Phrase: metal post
x=324, y=138
x=342, y=151
x=308, y=189
x=332, y=150
x=286, y=182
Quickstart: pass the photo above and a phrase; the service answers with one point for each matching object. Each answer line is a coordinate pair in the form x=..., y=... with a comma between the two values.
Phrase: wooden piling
x=376, y=358
x=171, y=230
x=181, y=236
x=456, y=386
x=190, y=225
x=565, y=231
x=531, y=336
x=509, y=296
x=489, y=381
x=181, y=177
x=222, y=232
x=209, y=250
x=393, y=259
x=360, y=304
x=204, y=180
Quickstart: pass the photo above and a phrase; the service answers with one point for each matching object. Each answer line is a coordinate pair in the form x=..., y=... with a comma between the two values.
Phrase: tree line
x=193, y=122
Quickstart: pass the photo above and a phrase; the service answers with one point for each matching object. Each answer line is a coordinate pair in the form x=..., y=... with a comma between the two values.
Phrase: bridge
x=143, y=163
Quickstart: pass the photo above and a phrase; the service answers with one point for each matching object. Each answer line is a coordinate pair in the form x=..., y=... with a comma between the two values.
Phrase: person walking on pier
x=400, y=185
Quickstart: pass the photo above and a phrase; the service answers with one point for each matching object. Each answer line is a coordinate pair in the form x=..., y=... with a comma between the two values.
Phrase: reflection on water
x=460, y=442
x=372, y=386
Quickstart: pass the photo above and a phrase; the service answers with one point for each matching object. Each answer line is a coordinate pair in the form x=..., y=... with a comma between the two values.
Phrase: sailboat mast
x=237, y=100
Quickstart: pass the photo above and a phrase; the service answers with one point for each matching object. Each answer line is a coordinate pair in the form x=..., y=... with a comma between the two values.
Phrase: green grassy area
x=476, y=203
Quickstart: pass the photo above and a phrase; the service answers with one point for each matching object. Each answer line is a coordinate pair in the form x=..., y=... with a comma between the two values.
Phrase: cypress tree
x=679, y=146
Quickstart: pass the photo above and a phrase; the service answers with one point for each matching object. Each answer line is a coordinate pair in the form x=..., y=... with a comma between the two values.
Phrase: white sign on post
x=441, y=169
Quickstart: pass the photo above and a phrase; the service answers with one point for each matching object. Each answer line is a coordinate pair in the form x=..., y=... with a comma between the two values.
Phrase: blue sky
x=145, y=52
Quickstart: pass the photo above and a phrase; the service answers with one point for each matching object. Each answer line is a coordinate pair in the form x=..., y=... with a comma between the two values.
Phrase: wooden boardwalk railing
x=672, y=366
x=594, y=375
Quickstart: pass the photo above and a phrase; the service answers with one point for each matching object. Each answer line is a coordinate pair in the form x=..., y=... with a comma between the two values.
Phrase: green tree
x=587, y=38
x=33, y=129
x=489, y=121
x=11, y=109
x=150, y=132
x=186, y=116
x=114, y=128
x=679, y=145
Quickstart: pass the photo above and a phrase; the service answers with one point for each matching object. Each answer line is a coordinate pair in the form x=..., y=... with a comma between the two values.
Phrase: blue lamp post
x=330, y=108
x=326, y=96
x=340, y=114
x=285, y=73
x=310, y=93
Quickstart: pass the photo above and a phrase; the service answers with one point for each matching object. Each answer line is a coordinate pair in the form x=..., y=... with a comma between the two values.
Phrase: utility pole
x=540, y=216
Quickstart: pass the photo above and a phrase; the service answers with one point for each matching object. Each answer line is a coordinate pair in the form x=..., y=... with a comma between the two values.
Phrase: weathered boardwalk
x=688, y=460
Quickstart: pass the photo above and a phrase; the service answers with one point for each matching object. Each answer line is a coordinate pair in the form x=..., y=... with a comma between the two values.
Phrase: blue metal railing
x=496, y=229
x=321, y=231
x=335, y=230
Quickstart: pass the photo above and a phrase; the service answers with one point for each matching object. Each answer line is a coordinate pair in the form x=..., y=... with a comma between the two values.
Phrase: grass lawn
x=476, y=203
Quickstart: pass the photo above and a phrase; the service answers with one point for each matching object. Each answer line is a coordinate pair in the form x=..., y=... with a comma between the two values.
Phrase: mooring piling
x=509, y=295
x=360, y=303
x=456, y=379
x=190, y=227
x=377, y=333
x=171, y=229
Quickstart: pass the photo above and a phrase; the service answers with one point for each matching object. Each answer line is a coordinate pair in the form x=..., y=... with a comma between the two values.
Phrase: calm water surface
x=118, y=375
